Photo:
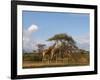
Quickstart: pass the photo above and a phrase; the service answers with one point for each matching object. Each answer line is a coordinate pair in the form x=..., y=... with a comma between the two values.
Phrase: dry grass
x=79, y=59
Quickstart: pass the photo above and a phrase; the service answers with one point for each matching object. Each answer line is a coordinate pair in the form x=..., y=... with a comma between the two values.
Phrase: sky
x=39, y=26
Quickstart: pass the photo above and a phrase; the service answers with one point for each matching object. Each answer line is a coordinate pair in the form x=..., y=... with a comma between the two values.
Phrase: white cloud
x=28, y=41
x=33, y=28
x=83, y=41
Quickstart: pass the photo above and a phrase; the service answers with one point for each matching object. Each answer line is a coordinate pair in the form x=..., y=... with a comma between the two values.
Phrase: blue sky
x=51, y=23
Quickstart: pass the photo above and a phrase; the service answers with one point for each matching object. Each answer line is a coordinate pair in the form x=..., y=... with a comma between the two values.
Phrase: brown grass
x=79, y=59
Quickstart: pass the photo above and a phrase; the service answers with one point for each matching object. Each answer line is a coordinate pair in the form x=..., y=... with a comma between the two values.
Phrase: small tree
x=40, y=47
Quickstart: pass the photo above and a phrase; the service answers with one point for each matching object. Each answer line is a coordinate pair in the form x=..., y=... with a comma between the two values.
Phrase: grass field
x=34, y=60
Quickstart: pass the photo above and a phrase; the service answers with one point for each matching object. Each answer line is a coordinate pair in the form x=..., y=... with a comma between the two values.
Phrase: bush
x=32, y=57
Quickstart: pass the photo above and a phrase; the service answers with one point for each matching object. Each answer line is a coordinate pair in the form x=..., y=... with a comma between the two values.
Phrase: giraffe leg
x=43, y=56
x=52, y=54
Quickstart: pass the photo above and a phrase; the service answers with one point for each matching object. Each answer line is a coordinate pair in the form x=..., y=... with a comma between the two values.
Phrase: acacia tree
x=41, y=47
x=63, y=38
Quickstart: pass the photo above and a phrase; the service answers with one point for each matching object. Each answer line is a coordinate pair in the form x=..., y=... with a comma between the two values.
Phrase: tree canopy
x=40, y=47
x=62, y=37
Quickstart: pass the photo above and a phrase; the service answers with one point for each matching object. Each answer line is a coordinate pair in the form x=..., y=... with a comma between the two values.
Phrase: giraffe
x=56, y=50
x=47, y=52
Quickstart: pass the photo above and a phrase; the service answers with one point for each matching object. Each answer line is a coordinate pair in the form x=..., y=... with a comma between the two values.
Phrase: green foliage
x=32, y=57
x=62, y=37
x=37, y=58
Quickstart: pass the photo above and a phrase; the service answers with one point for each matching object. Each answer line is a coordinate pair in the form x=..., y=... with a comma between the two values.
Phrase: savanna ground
x=34, y=60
